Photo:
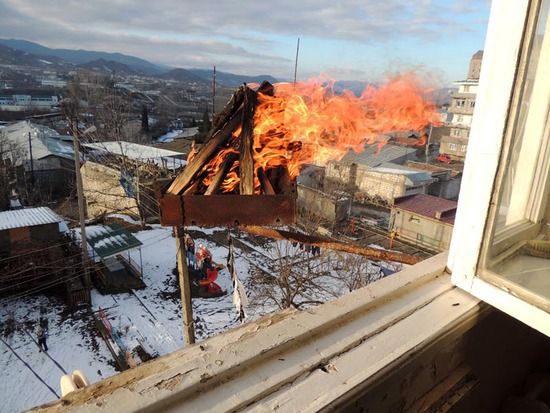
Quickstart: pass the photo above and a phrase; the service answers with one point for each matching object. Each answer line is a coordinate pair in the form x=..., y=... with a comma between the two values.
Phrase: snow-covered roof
x=28, y=217
x=44, y=141
x=111, y=239
x=138, y=152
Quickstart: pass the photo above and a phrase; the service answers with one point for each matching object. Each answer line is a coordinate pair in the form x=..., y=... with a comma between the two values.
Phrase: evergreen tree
x=144, y=119
x=206, y=124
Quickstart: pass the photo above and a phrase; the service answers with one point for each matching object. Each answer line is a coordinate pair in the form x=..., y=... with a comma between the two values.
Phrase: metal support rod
x=81, y=207
x=183, y=271
x=32, y=161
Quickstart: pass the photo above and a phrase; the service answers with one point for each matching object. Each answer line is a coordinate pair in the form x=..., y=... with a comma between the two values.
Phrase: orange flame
x=307, y=122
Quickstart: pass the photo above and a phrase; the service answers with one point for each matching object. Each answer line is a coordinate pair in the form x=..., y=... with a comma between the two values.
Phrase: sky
x=364, y=40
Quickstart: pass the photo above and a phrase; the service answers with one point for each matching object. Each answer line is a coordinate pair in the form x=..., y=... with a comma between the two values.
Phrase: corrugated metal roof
x=28, y=217
x=374, y=156
x=111, y=239
x=142, y=153
x=428, y=206
x=133, y=150
x=44, y=141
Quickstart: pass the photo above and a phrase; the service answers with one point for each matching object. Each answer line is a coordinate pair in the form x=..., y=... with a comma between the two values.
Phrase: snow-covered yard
x=150, y=316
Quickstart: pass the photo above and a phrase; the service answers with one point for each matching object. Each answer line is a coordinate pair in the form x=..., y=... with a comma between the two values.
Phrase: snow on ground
x=70, y=344
x=150, y=316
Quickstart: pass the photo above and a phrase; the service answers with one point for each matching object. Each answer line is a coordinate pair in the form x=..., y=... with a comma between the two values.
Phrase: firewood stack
x=205, y=193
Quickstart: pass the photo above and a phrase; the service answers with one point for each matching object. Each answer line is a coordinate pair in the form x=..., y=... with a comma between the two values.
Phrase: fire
x=307, y=122
x=192, y=153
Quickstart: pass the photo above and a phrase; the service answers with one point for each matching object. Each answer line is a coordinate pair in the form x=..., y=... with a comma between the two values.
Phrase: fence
x=422, y=239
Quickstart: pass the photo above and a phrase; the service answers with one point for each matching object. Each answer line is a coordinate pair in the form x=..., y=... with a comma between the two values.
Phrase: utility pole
x=428, y=144
x=214, y=94
x=32, y=163
x=296, y=62
x=80, y=193
x=183, y=271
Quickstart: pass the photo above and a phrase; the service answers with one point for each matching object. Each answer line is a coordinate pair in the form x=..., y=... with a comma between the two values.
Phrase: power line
x=43, y=287
x=35, y=342
x=61, y=280
x=30, y=368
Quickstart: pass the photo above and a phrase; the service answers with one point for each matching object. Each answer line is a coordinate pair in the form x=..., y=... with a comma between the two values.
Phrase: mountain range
x=17, y=52
x=22, y=52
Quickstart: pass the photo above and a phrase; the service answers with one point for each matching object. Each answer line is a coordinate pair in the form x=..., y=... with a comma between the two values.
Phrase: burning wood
x=262, y=138
x=227, y=158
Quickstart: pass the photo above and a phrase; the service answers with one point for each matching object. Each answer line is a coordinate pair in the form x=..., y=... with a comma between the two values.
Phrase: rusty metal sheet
x=171, y=210
x=228, y=210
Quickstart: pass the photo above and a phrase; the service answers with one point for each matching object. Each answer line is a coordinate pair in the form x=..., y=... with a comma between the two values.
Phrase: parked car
x=444, y=158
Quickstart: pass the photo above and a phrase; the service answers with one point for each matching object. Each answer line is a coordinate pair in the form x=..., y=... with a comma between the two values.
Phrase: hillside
x=182, y=75
x=83, y=56
x=230, y=79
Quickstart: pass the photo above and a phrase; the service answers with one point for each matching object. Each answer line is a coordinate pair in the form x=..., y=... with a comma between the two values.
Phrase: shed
x=40, y=254
x=115, y=271
x=29, y=225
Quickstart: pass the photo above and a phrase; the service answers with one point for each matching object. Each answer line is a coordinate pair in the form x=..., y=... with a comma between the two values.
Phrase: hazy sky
x=346, y=39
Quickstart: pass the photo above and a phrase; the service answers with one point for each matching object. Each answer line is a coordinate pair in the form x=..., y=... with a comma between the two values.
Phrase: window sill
x=295, y=361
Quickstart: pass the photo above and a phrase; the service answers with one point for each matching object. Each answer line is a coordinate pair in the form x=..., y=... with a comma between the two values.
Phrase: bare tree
x=352, y=271
x=295, y=278
x=95, y=101
x=11, y=154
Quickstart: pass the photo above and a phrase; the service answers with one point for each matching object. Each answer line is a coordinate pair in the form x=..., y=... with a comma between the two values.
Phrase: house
x=119, y=177
x=32, y=242
x=383, y=184
x=425, y=220
x=447, y=180
x=36, y=99
x=43, y=160
x=461, y=110
x=442, y=335
x=356, y=172
x=321, y=207
x=108, y=190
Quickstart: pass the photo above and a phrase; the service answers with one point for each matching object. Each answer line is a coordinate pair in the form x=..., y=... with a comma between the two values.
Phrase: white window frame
x=452, y=146
x=497, y=101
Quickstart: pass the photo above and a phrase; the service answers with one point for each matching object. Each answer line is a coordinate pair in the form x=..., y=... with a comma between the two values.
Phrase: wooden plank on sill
x=446, y=394
x=356, y=370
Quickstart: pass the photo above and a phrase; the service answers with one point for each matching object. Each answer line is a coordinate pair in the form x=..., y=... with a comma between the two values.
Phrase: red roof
x=428, y=206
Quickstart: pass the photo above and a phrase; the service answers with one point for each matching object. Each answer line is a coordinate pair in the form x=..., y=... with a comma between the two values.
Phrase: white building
x=461, y=112
x=22, y=101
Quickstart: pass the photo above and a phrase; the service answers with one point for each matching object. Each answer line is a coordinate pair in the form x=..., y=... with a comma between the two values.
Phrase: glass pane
x=526, y=146
x=518, y=254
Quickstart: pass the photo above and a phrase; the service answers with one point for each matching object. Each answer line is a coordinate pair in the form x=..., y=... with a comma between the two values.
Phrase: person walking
x=41, y=335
